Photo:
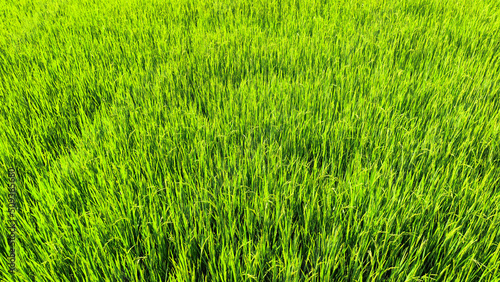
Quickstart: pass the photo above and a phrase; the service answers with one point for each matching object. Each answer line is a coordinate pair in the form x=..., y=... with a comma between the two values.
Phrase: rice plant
x=232, y=140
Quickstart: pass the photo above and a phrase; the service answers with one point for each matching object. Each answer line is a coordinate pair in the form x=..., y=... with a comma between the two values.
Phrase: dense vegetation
x=251, y=141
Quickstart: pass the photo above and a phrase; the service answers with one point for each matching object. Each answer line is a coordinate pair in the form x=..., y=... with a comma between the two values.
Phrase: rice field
x=232, y=140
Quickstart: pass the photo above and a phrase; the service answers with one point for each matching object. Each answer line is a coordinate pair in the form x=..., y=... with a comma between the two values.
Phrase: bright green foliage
x=237, y=140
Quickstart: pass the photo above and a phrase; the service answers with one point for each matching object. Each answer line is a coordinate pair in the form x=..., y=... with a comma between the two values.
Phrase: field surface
x=257, y=140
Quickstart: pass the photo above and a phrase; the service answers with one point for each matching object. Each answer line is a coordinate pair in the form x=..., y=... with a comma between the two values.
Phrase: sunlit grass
x=252, y=141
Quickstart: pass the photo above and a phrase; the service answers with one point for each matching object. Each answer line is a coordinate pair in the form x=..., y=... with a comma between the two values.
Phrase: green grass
x=251, y=140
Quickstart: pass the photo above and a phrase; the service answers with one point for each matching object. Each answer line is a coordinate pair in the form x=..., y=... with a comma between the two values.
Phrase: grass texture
x=235, y=140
